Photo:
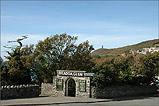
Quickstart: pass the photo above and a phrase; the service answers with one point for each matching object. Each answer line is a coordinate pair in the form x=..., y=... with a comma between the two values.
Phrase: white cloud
x=111, y=41
x=33, y=39
x=5, y=17
x=104, y=27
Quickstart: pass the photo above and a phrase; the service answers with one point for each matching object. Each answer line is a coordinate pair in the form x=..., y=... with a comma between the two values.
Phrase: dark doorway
x=71, y=88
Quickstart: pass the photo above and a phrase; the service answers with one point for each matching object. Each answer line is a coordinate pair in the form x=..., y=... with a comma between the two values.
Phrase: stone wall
x=122, y=91
x=19, y=91
x=49, y=89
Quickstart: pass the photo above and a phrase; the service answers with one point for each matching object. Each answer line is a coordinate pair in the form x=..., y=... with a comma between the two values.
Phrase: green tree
x=106, y=74
x=17, y=67
x=148, y=67
x=4, y=75
x=1, y=61
x=60, y=52
x=123, y=66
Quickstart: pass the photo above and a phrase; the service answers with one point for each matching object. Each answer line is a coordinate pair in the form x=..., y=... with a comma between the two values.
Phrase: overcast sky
x=109, y=23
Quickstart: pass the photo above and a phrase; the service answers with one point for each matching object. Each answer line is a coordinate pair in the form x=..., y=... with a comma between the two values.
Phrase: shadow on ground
x=134, y=97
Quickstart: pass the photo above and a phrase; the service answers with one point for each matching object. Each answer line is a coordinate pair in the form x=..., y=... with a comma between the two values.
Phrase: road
x=151, y=101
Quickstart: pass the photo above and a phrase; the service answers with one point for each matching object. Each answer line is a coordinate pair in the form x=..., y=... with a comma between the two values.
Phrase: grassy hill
x=102, y=52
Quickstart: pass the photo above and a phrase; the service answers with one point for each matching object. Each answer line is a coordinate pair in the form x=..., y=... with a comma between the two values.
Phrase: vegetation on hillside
x=102, y=52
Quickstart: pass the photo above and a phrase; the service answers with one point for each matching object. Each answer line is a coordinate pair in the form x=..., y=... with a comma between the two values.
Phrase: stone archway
x=70, y=87
x=72, y=83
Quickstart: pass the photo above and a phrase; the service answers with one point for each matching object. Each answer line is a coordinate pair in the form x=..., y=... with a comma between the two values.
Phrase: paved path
x=49, y=100
x=152, y=101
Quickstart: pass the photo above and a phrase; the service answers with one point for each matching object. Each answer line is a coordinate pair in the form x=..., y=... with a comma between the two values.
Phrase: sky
x=112, y=24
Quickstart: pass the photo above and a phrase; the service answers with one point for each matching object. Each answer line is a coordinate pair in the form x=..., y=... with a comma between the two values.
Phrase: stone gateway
x=69, y=83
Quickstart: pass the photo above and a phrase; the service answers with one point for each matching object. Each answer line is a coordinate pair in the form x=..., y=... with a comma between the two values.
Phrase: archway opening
x=71, y=88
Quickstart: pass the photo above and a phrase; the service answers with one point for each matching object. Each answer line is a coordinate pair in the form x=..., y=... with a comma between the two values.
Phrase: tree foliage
x=17, y=69
x=39, y=63
x=129, y=70
x=61, y=52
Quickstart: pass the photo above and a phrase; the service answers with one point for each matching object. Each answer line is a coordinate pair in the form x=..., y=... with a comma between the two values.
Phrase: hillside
x=102, y=52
